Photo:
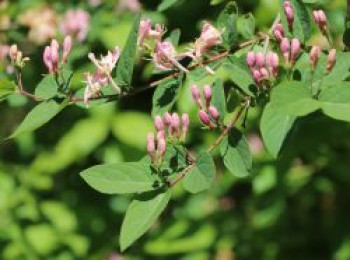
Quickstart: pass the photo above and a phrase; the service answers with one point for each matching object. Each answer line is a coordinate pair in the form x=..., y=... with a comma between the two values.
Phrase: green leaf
x=238, y=72
x=121, y=178
x=202, y=175
x=336, y=101
x=246, y=26
x=126, y=61
x=141, y=214
x=175, y=37
x=302, y=25
x=165, y=96
x=166, y=4
x=39, y=116
x=236, y=154
x=340, y=71
x=228, y=21
x=47, y=87
x=294, y=98
x=274, y=127
x=218, y=99
x=6, y=88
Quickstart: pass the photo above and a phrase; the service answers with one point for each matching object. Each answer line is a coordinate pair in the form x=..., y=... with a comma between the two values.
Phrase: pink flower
x=106, y=63
x=76, y=23
x=164, y=57
x=210, y=37
x=151, y=146
x=146, y=32
x=167, y=119
x=94, y=84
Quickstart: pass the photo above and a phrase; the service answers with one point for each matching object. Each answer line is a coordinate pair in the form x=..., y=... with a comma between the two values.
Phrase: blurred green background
x=297, y=207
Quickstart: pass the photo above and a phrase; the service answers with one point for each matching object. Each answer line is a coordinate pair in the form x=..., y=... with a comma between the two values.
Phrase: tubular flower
x=164, y=57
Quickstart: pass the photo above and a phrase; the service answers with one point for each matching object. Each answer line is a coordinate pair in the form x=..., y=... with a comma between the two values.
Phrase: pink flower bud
x=144, y=31
x=332, y=57
x=150, y=145
x=285, y=48
x=251, y=59
x=54, y=55
x=13, y=52
x=175, y=124
x=278, y=32
x=207, y=94
x=214, y=113
x=204, y=117
x=288, y=10
x=47, y=58
x=185, y=120
x=196, y=95
x=161, y=145
x=315, y=54
x=260, y=60
x=256, y=76
x=210, y=36
x=167, y=119
x=272, y=62
x=320, y=19
x=295, y=49
x=67, y=47
x=264, y=73
x=158, y=123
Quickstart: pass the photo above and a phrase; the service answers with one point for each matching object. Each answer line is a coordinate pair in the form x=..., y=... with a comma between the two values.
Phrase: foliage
x=266, y=177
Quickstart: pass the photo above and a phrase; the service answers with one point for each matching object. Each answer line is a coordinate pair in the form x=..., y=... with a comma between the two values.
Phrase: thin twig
x=216, y=143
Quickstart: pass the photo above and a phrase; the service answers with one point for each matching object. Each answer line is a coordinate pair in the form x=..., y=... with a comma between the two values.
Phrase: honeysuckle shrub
x=227, y=138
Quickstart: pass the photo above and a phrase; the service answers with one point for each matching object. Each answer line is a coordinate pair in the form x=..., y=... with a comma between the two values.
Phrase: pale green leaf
x=47, y=87
x=120, y=178
x=336, y=101
x=294, y=98
x=274, y=127
x=141, y=214
x=236, y=154
x=126, y=61
x=202, y=175
x=39, y=115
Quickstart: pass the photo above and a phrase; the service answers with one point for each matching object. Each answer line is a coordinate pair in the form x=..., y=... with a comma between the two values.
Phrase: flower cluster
x=51, y=54
x=168, y=126
x=164, y=54
x=76, y=23
x=263, y=67
x=102, y=75
x=208, y=114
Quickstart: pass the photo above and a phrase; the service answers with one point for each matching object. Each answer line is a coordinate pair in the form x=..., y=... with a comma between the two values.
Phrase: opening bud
x=214, y=113
x=331, y=60
x=204, y=117
x=315, y=54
